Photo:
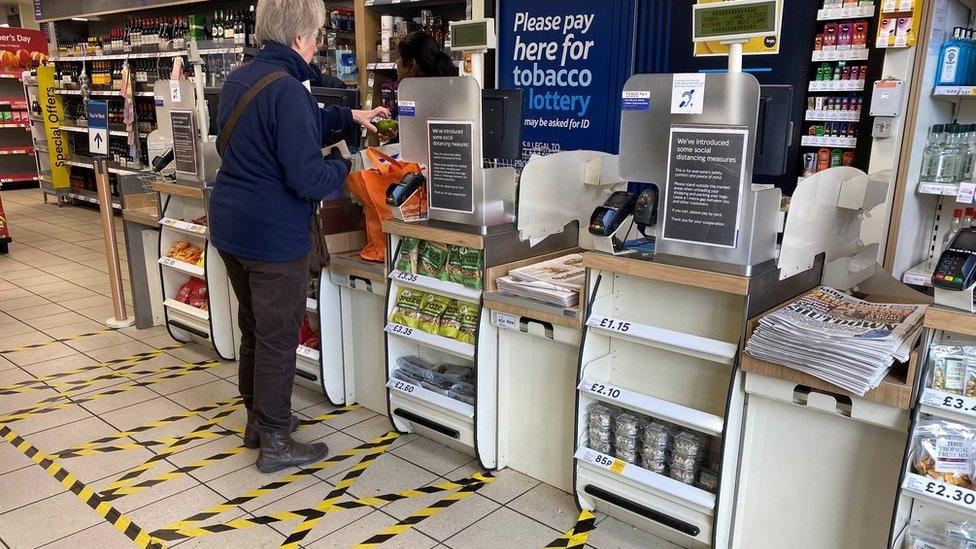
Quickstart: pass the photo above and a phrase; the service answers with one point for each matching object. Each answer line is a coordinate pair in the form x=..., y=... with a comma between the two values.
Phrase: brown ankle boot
x=251, y=439
x=280, y=451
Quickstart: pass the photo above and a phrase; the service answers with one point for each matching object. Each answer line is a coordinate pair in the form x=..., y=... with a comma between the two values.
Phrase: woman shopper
x=272, y=177
x=420, y=56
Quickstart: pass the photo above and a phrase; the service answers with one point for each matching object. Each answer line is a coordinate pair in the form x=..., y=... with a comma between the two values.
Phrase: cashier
x=418, y=56
x=273, y=174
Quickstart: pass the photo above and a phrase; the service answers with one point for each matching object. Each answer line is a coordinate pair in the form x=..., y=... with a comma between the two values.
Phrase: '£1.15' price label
x=608, y=323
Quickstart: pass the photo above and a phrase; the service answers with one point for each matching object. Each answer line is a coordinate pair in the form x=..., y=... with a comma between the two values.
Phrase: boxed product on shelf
x=953, y=369
x=185, y=251
x=453, y=380
x=652, y=444
x=945, y=450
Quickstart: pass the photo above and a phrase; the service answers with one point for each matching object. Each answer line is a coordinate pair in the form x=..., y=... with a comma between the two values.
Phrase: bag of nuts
x=945, y=450
x=950, y=369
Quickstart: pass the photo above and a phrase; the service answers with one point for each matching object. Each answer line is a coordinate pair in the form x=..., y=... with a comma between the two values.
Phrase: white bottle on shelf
x=953, y=229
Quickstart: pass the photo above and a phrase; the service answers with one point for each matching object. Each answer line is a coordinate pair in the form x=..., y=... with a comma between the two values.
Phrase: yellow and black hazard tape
x=186, y=527
x=205, y=462
x=81, y=449
x=302, y=514
x=66, y=386
x=139, y=444
x=48, y=405
x=481, y=479
x=91, y=498
x=170, y=449
x=348, y=480
x=132, y=360
x=53, y=341
x=578, y=534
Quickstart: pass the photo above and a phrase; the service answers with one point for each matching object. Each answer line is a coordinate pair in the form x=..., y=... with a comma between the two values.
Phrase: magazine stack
x=838, y=338
x=557, y=281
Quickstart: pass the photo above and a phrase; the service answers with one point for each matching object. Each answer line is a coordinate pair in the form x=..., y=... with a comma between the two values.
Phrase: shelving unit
x=18, y=166
x=926, y=501
x=215, y=325
x=352, y=310
x=679, y=367
x=309, y=361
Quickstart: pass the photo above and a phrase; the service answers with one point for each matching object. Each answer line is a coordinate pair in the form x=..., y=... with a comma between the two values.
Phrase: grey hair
x=282, y=20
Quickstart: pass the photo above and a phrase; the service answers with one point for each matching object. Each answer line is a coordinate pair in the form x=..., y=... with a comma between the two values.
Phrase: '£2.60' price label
x=402, y=386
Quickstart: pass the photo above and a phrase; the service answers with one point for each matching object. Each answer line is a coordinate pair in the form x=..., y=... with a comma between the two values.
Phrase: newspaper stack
x=838, y=338
x=557, y=281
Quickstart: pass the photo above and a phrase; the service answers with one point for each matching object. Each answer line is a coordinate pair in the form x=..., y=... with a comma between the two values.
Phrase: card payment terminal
x=956, y=269
x=608, y=217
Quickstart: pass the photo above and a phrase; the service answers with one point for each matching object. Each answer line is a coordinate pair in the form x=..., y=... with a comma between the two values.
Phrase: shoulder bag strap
x=224, y=138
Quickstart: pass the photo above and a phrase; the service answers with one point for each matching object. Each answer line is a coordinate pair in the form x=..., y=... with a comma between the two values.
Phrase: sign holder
x=121, y=318
x=98, y=127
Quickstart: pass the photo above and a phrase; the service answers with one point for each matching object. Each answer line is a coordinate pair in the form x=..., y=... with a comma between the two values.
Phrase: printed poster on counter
x=567, y=57
x=768, y=45
x=706, y=175
x=450, y=166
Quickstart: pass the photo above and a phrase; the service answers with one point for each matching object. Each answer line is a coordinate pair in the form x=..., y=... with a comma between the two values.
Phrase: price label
x=914, y=279
x=965, y=193
x=307, y=352
x=169, y=262
x=168, y=222
x=602, y=461
x=940, y=490
x=600, y=388
x=401, y=329
x=611, y=324
x=506, y=321
x=402, y=386
x=406, y=277
x=949, y=401
x=199, y=229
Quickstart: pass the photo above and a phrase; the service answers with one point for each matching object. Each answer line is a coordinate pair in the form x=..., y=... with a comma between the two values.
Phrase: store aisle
x=126, y=441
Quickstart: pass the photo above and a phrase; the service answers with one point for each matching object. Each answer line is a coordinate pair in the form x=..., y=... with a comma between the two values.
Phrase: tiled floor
x=53, y=285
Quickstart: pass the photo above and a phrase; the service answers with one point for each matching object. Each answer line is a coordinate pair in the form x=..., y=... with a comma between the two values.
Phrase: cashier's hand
x=364, y=117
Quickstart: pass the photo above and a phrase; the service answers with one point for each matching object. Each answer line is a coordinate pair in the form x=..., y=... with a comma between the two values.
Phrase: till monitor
x=349, y=98
x=501, y=124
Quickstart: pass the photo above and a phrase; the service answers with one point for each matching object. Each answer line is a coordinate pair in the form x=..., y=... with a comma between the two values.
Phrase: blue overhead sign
x=570, y=59
x=98, y=127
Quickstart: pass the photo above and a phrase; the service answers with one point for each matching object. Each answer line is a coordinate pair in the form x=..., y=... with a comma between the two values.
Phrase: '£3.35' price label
x=405, y=276
x=949, y=401
x=400, y=329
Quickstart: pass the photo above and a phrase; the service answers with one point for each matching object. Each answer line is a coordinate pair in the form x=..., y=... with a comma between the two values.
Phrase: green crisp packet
x=464, y=266
x=407, y=258
x=407, y=309
x=432, y=260
x=430, y=312
x=469, y=322
x=450, y=323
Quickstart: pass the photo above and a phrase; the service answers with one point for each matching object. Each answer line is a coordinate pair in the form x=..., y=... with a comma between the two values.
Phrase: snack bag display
x=431, y=310
x=407, y=258
x=950, y=368
x=183, y=250
x=407, y=309
x=432, y=259
x=945, y=450
x=468, y=313
x=464, y=266
x=450, y=323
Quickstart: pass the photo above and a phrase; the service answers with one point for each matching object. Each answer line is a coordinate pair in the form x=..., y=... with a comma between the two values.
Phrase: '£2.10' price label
x=600, y=388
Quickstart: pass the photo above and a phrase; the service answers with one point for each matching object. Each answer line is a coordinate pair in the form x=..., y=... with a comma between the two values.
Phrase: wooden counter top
x=685, y=276
x=141, y=218
x=177, y=189
x=536, y=310
x=951, y=320
x=350, y=263
x=434, y=234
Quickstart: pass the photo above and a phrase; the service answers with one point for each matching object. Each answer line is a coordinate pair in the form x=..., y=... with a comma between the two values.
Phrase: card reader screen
x=965, y=240
x=616, y=200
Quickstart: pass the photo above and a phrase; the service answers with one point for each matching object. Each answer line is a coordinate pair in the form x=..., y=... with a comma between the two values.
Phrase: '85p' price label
x=940, y=490
x=601, y=460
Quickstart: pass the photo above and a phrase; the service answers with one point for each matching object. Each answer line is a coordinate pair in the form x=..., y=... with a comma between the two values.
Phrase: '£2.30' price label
x=942, y=491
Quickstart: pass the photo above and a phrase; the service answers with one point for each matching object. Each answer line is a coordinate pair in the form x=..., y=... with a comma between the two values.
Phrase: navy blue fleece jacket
x=273, y=170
